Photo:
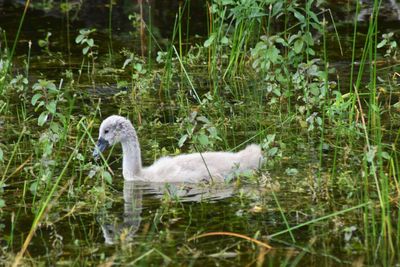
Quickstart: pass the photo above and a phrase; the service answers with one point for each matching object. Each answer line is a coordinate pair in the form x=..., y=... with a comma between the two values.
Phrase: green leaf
x=85, y=50
x=79, y=38
x=310, y=51
x=138, y=67
x=307, y=37
x=319, y=120
x=1, y=155
x=271, y=137
x=55, y=127
x=36, y=87
x=370, y=155
x=33, y=188
x=213, y=132
x=107, y=176
x=224, y=40
x=382, y=43
x=43, y=118
x=273, y=54
x=314, y=17
x=51, y=107
x=293, y=37
x=203, y=139
x=182, y=140
x=272, y=151
x=298, y=46
x=38, y=105
x=291, y=171
x=281, y=41
x=122, y=84
x=384, y=155
x=51, y=87
x=315, y=90
x=2, y=203
x=277, y=92
x=277, y=8
x=210, y=40
x=79, y=157
x=42, y=43
x=299, y=16
x=203, y=119
x=90, y=42
x=35, y=98
x=228, y=2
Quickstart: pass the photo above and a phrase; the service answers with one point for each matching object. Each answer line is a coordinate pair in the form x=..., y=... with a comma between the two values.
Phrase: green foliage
x=199, y=131
x=19, y=84
x=140, y=79
x=272, y=66
x=4, y=63
x=98, y=171
x=89, y=50
x=69, y=6
x=266, y=54
x=268, y=145
x=46, y=98
x=86, y=41
x=390, y=44
x=45, y=43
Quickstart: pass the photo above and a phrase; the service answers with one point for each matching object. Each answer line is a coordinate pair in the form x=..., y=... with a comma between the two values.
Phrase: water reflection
x=125, y=228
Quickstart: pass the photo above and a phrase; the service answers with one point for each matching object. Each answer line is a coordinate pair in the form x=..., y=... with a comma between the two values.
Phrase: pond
x=315, y=83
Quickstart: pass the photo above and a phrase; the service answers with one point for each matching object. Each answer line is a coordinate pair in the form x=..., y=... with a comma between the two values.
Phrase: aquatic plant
x=45, y=43
x=390, y=45
x=46, y=98
x=262, y=73
x=89, y=49
x=200, y=131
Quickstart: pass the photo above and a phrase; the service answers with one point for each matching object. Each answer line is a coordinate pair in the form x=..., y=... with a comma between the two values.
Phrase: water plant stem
x=231, y=234
x=45, y=205
x=319, y=219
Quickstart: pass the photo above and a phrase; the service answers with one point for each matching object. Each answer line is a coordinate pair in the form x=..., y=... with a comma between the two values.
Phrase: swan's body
x=194, y=167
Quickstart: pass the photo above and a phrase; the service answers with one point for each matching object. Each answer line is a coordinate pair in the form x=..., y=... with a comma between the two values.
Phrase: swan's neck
x=132, y=162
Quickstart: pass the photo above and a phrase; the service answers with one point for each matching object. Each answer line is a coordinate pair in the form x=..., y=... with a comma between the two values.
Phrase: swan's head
x=113, y=130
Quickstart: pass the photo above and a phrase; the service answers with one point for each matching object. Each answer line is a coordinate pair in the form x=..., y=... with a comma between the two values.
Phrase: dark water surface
x=151, y=224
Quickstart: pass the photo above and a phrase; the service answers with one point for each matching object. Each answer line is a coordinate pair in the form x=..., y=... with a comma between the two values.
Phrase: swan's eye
x=106, y=131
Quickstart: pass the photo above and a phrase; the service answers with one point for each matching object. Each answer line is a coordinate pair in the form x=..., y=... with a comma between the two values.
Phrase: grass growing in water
x=271, y=83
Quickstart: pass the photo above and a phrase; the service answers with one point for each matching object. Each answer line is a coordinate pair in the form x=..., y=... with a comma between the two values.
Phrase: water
x=92, y=222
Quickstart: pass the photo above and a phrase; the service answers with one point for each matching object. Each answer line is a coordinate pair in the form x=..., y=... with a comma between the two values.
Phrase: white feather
x=193, y=168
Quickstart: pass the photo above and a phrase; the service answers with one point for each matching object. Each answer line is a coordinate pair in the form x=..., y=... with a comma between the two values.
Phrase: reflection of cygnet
x=112, y=232
x=193, y=168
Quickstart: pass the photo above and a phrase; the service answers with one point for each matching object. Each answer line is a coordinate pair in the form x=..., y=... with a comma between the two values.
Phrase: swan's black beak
x=101, y=145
